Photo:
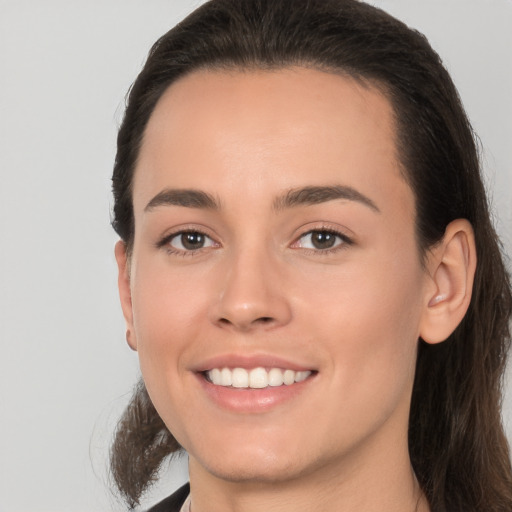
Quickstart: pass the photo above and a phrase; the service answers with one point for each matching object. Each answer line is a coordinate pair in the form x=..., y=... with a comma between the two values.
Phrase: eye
x=187, y=241
x=322, y=240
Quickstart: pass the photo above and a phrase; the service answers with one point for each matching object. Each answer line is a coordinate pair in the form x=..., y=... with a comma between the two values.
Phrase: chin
x=273, y=461
x=263, y=470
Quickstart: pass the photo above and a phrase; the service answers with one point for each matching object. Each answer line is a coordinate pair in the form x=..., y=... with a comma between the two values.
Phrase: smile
x=255, y=378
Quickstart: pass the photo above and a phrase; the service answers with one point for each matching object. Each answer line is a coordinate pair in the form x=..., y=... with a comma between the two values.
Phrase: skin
x=258, y=286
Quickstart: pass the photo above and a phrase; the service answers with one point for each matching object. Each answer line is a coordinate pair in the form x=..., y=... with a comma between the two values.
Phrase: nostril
x=243, y=324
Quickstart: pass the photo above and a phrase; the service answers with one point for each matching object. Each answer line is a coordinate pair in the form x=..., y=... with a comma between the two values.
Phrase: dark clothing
x=173, y=502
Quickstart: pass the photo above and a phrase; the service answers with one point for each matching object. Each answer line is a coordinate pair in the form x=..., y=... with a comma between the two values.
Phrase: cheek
x=368, y=318
x=371, y=342
x=167, y=306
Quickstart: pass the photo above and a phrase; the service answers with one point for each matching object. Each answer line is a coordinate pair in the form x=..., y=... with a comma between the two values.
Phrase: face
x=275, y=288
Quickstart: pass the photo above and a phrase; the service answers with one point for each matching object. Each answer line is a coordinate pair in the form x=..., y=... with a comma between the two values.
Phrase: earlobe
x=123, y=283
x=451, y=267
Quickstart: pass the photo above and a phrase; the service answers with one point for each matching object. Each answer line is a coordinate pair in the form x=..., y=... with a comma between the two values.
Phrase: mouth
x=254, y=383
x=255, y=378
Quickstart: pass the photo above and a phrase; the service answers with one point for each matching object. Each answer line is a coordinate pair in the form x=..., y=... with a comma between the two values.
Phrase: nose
x=252, y=293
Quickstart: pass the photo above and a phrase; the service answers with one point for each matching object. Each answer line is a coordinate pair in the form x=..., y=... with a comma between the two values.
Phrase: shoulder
x=173, y=502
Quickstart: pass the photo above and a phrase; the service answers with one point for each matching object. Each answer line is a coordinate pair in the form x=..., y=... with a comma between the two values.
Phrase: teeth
x=226, y=379
x=289, y=377
x=257, y=378
x=275, y=377
x=240, y=378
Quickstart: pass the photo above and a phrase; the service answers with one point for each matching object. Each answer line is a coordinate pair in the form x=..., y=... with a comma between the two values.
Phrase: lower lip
x=248, y=400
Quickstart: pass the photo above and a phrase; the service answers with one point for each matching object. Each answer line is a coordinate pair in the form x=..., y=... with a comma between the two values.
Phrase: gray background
x=65, y=370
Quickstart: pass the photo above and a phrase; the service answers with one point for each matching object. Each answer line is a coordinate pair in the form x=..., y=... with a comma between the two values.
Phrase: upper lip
x=250, y=361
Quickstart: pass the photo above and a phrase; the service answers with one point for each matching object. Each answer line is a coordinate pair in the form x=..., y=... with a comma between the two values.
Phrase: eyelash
x=166, y=242
x=344, y=242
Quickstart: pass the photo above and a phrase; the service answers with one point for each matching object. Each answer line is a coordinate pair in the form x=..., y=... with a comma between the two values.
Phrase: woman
x=307, y=269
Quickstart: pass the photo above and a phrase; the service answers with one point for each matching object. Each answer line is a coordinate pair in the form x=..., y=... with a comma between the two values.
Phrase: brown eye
x=190, y=241
x=322, y=240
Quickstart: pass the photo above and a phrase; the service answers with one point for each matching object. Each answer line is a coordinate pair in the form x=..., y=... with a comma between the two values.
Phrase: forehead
x=215, y=129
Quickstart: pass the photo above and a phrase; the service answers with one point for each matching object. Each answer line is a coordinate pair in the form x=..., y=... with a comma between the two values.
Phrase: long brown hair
x=457, y=445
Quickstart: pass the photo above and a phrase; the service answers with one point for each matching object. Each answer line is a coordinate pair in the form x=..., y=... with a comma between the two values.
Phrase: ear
x=451, y=268
x=125, y=294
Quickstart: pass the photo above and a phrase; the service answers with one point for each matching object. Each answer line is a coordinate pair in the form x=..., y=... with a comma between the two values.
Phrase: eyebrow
x=305, y=196
x=321, y=194
x=188, y=198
